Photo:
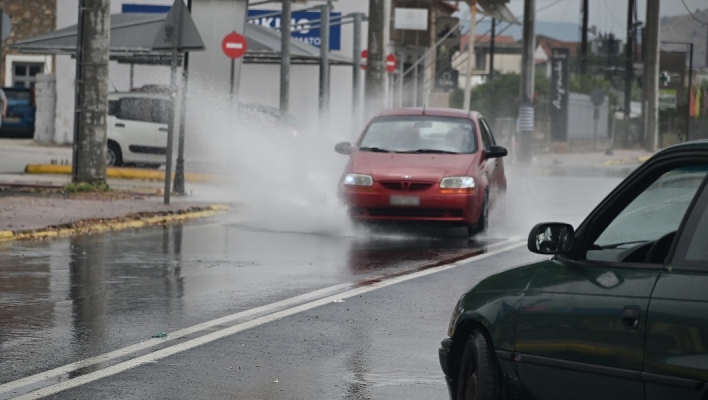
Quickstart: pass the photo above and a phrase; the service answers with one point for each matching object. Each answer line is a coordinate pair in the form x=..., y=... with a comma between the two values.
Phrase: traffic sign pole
x=234, y=46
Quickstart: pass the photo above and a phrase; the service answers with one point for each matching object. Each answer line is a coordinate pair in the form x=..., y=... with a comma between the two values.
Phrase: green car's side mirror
x=551, y=238
x=343, y=148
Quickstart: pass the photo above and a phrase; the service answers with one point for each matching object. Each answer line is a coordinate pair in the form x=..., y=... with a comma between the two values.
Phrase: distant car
x=137, y=128
x=137, y=125
x=429, y=166
x=20, y=116
x=619, y=312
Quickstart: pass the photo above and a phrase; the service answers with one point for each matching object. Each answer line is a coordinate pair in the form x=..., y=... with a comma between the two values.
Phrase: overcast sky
x=607, y=15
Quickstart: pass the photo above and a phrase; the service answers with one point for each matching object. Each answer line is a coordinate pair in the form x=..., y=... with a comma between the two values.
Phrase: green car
x=619, y=312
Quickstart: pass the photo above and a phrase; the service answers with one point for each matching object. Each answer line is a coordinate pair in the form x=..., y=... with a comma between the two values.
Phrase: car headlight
x=358, y=180
x=456, y=313
x=457, y=182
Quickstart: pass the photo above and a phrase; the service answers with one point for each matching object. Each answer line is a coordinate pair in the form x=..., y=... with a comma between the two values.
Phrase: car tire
x=477, y=378
x=114, y=157
x=483, y=220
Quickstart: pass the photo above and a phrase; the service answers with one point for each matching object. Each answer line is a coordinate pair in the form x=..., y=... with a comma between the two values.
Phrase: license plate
x=12, y=120
x=405, y=200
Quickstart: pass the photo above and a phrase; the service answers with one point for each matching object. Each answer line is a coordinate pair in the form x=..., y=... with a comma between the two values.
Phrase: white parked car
x=137, y=128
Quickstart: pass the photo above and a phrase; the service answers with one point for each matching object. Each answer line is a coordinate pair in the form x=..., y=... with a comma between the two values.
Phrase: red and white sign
x=391, y=63
x=364, y=56
x=234, y=45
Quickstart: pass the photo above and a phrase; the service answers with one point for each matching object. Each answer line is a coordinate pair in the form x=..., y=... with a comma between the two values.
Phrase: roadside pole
x=375, y=72
x=176, y=18
x=285, y=58
x=77, y=92
x=324, y=60
x=356, y=71
x=470, y=55
x=89, y=164
x=628, y=65
x=179, y=167
x=651, y=76
x=526, y=107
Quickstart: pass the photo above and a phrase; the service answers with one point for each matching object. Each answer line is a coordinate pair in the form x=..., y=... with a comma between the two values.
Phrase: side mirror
x=551, y=238
x=496, y=152
x=343, y=148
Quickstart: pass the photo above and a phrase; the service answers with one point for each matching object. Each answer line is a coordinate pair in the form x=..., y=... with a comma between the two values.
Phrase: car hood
x=432, y=167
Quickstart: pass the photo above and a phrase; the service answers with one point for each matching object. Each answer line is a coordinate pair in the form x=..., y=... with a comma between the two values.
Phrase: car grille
x=406, y=185
x=413, y=212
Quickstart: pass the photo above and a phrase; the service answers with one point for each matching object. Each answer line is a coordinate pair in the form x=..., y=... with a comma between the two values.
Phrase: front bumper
x=444, y=356
x=374, y=205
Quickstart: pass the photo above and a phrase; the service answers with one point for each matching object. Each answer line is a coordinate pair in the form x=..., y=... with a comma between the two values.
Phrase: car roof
x=437, y=112
x=701, y=144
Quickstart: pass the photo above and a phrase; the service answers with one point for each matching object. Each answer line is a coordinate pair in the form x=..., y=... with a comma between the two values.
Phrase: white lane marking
x=202, y=340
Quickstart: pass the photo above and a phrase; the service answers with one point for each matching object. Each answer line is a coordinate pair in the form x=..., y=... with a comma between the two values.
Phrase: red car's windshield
x=420, y=134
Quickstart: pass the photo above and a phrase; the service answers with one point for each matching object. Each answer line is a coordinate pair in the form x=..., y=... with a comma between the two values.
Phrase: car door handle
x=630, y=317
x=162, y=129
x=120, y=125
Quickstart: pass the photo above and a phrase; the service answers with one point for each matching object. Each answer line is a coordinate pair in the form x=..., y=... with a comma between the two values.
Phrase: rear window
x=420, y=134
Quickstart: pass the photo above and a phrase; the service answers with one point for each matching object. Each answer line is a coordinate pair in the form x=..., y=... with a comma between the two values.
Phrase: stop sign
x=390, y=63
x=364, y=56
x=234, y=45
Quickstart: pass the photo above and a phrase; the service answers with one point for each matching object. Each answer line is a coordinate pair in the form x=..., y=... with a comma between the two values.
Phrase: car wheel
x=477, y=379
x=114, y=157
x=483, y=220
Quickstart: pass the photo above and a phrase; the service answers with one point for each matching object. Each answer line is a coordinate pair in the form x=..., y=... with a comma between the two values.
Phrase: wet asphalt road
x=63, y=301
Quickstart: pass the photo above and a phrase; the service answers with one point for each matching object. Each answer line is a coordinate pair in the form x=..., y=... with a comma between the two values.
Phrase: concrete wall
x=46, y=99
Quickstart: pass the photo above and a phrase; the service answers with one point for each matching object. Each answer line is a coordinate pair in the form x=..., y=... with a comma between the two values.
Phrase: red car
x=438, y=166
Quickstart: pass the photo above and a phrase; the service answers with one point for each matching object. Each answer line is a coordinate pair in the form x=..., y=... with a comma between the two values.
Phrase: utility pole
x=651, y=76
x=526, y=106
x=179, y=166
x=491, y=49
x=375, y=72
x=356, y=70
x=584, y=40
x=285, y=58
x=324, y=59
x=91, y=108
x=470, y=55
x=629, y=65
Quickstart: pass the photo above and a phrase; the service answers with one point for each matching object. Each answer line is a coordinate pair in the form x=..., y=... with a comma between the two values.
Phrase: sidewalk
x=597, y=163
x=35, y=207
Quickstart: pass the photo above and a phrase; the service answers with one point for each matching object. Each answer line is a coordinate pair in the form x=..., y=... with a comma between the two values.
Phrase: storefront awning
x=132, y=36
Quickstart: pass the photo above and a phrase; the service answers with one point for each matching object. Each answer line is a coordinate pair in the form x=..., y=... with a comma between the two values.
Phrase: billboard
x=560, y=74
x=304, y=32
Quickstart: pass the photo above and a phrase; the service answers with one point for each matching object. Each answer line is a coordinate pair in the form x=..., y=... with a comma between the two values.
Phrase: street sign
x=178, y=31
x=667, y=99
x=391, y=63
x=597, y=96
x=447, y=79
x=302, y=23
x=234, y=45
x=364, y=56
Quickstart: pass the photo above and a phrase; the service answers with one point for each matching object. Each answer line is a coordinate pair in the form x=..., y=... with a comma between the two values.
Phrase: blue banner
x=304, y=33
x=145, y=9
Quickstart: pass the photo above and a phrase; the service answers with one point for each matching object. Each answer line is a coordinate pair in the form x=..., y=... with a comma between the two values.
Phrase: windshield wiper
x=616, y=245
x=374, y=149
x=429, y=151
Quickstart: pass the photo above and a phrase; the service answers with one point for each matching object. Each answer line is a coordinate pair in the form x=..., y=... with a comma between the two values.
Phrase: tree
x=499, y=97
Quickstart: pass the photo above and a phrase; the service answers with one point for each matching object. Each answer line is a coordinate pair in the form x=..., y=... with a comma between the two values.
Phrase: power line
x=547, y=7
x=692, y=15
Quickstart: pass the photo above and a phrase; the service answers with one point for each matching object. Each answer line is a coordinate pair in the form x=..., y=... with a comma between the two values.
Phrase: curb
x=120, y=173
x=139, y=220
x=624, y=161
